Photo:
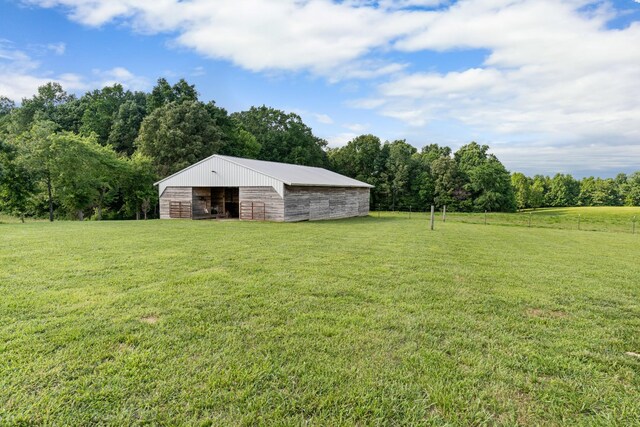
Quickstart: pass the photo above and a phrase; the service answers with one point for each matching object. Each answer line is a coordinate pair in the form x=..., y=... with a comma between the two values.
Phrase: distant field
x=613, y=219
x=364, y=321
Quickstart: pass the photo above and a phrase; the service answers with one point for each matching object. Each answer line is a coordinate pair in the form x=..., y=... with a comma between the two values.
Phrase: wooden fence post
x=444, y=213
x=433, y=210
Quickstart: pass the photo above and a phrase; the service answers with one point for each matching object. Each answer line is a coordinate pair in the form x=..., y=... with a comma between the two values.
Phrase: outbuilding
x=232, y=187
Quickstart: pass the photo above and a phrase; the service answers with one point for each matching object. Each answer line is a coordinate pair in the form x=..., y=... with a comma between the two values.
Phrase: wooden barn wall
x=173, y=194
x=273, y=203
x=316, y=203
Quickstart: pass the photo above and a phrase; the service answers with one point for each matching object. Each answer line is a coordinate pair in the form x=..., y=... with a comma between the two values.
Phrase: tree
x=587, y=191
x=448, y=183
x=236, y=140
x=16, y=185
x=100, y=109
x=44, y=106
x=522, y=190
x=632, y=196
x=178, y=135
x=283, y=137
x=357, y=159
x=563, y=191
x=126, y=126
x=485, y=179
x=537, y=192
x=6, y=106
x=137, y=186
x=399, y=170
x=38, y=156
x=163, y=93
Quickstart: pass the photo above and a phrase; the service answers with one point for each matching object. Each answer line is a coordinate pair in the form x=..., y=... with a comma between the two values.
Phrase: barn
x=232, y=187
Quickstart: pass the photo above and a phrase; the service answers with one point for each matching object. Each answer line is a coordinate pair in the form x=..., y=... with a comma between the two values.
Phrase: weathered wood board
x=317, y=203
x=174, y=194
x=273, y=203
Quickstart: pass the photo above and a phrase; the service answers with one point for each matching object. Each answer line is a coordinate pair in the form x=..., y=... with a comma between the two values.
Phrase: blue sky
x=550, y=85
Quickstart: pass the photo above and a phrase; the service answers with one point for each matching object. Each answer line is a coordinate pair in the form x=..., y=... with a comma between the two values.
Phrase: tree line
x=98, y=155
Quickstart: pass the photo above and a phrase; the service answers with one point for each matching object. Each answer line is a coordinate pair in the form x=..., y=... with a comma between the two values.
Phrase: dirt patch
x=151, y=320
x=125, y=348
x=541, y=313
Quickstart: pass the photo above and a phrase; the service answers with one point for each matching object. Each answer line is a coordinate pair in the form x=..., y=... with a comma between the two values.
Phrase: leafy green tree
x=563, y=191
x=606, y=193
x=399, y=168
x=138, y=191
x=236, y=141
x=537, y=192
x=163, y=93
x=283, y=137
x=100, y=109
x=38, y=156
x=126, y=126
x=632, y=193
x=587, y=191
x=485, y=179
x=16, y=185
x=522, y=190
x=448, y=184
x=6, y=106
x=357, y=159
x=177, y=135
x=46, y=105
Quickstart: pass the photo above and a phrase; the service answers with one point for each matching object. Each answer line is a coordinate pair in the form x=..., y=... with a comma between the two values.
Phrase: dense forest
x=98, y=155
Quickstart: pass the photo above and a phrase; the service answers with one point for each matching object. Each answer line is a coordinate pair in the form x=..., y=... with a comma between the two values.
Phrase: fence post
x=485, y=217
x=409, y=211
x=378, y=210
x=444, y=213
x=433, y=210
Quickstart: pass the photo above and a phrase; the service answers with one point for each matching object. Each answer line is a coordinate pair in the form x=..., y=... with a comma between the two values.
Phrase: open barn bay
x=361, y=321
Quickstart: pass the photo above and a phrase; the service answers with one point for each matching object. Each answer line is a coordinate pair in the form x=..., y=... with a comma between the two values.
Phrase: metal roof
x=287, y=173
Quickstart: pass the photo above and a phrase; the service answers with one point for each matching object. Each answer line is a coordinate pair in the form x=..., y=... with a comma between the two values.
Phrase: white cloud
x=122, y=76
x=57, y=48
x=554, y=71
x=21, y=75
x=320, y=36
x=324, y=119
x=356, y=127
x=341, y=139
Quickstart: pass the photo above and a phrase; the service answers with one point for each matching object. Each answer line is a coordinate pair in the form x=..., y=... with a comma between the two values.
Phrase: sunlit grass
x=362, y=321
x=612, y=218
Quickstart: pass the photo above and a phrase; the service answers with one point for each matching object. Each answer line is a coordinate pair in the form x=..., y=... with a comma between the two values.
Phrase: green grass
x=362, y=321
x=611, y=218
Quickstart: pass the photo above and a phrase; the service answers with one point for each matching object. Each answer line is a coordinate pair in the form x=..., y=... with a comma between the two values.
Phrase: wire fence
x=617, y=220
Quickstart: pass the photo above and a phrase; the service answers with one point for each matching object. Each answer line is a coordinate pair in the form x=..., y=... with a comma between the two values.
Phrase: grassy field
x=611, y=218
x=364, y=321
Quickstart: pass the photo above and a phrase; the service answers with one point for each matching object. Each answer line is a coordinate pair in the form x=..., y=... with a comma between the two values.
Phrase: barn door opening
x=225, y=202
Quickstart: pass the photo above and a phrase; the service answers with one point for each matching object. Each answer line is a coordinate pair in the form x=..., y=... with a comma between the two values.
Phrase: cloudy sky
x=550, y=85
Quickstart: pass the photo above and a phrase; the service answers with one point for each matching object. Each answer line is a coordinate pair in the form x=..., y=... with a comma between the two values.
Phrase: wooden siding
x=316, y=203
x=173, y=194
x=273, y=203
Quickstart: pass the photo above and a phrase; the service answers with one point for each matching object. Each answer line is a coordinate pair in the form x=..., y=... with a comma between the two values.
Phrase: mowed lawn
x=619, y=219
x=363, y=321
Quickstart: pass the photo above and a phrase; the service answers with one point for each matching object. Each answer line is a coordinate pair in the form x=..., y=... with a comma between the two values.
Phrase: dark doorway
x=232, y=202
